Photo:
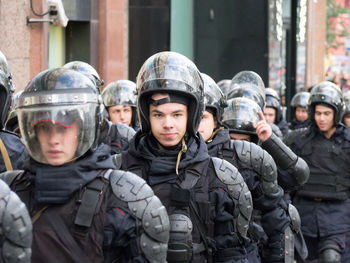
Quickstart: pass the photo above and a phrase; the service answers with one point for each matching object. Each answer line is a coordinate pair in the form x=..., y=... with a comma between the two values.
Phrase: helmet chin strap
x=213, y=134
x=183, y=150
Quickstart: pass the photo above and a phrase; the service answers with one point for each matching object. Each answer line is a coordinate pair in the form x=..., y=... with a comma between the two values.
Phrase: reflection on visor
x=53, y=122
x=83, y=115
x=64, y=117
x=241, y=113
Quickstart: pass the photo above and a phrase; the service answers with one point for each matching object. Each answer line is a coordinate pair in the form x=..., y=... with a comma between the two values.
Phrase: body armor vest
x=74, y=231
x=183, y=200
x=329, y=174
x=88, y=239
x=188, y=205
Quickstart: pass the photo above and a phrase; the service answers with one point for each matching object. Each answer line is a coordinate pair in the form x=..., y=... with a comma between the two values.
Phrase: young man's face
x=324, y=118
x=120, y=113
x=58, y=143
x=270, y=114
x=301, y=114
x=168, y=121
x=207, y=125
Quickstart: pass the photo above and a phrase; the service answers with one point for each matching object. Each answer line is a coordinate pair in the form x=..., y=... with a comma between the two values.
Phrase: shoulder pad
x=16, y=227
x=238, y=191
x=125, y=131
x=298, y=133
x=259, y=160
x=147, y=207
x=9, y=176
x=301, y=171
x=129, y=187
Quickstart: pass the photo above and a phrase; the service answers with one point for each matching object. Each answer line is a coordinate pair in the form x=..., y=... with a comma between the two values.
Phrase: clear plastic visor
x=119, y=95
x=241, y=113
x=57, y=135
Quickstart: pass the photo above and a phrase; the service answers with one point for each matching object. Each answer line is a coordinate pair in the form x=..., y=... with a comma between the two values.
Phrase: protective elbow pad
x=330, y=255
x=300, y=171
x=16, y=227
x=281, y=153
x=238, y=191
x=145, y=206
x=254, y=157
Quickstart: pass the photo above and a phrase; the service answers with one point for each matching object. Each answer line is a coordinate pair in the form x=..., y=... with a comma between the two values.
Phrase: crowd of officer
x=172, y=168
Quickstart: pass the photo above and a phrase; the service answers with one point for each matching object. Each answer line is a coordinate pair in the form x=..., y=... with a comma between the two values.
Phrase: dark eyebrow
x=157, y=111
x=326, y=111
x=178, y=111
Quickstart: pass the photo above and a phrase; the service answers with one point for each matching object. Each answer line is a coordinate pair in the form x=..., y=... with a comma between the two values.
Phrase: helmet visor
x=120, y=93
x=56, y=135
x=241, y=115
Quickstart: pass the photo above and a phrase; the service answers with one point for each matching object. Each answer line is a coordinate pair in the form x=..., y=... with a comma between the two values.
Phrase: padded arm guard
x=145, y=206
x=254, y=157
x=16, y=227
x=286, y=159
x=238, y=191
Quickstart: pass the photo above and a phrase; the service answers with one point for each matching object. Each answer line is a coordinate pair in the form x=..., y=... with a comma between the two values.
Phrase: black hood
x=161, y=164
x=220, y=138
x=56, y=184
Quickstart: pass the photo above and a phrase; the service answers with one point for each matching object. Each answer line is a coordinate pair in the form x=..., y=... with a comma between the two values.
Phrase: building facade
x=282, y=40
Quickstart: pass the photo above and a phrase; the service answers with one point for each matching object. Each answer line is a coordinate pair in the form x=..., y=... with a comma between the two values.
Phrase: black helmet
x=87, y=70
x=6, y=90
x=248, y=77
x=273, y=101
x=250, y=91
x=300, y=99
x=224, y=85
x=60, y=96
x=12, y=120
x=121, y=92
x=173, y=73
x=240, y=115
x=214, y=98
x=330, y=94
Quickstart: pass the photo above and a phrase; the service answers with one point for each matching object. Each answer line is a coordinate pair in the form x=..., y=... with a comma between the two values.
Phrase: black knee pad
x=330, y=255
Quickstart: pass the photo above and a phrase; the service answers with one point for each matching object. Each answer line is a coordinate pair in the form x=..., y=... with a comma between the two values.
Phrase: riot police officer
x=292, y=170
x=119, y=98
x=299, y=104
x=273, y=111
x=256, y=166
x=83, y=210
x=248, y=84
x=13, y=152
x=203, y=196
x=116, y=135
x=323, y=202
